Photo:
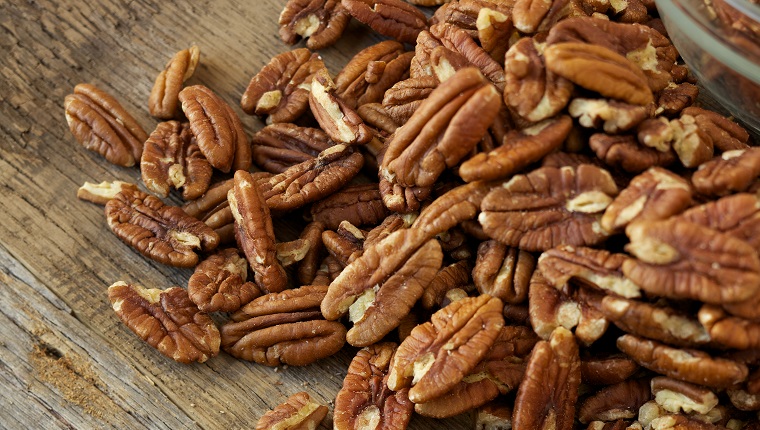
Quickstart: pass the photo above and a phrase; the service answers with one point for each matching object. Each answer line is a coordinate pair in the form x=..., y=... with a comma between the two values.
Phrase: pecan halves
x=322, y=22
x=676, y=396
x=279, y=146
x=99, y=123
x=618, y=401
x=440, y=352
x=219, y=283
x=547, y=396
x=281, y=88
x=357, y=204
x=163, y=102
x=451, y=277
x=405, y=97
x=298, y=412
x=503, y=272
x=460, y=42
x=737, y=215
x=731, y=172
x=625, y=152
x=729, y=330
x=255, y=233
x=379, y=288
x=725, y=134
x=167, y=320
x=103, y=192
x=336, y=118
x=455, y=206
x=393, y=18
x=162, y=233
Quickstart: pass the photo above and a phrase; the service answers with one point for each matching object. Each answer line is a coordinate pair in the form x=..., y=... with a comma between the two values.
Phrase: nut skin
x=626, y=153
x=321, y=22
x=335, y=116
x=358, y=204
x=393, y=18
x=279, y=146
x=618, y=401
x=219, y=283
x=298, y=412
x=503, y=272
x=737, y=215
x=167, y=320
x=163, y=102
x=733, y=171
x=162, y=233
x=453, y=207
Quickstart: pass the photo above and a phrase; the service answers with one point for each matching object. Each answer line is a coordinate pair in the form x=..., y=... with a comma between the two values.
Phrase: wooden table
x=66, y=360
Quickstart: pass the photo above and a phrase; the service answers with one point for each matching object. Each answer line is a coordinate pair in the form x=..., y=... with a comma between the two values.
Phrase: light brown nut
x=725, y=134
x=336, y=118
x=298, y=412
x=450, y=277
x=548, y=207
x=674, y=98
x=494, y=28
x=380, y=287
x=601, y=369
x=677, y=396
x=219, y=283
x=283, y=328
x=405, y=97
x=610, y=115
x=389, y=225
x=627, y=153
x=365, y=401
x=167, y=320
x=162, y=233
x=683, y=260
x=322, y=22
x=216, y=194
x=519, y=150
x=255, y=233
x=495, y=415
x=453, y=207
x=99, y=123
x=328, y=270
x=727, y=330
x=345, y=244
x=503, y=272
x=393, y=18
x=688, y=365
x=358, y=204
x=548, y=394
x=281, y=145
x=103, y=192
x=615, y=402
x=163, y=102
x=532, y=91
x=692, y=145
x=733, y=171
x=599, y=69
x=737, y=215
x=375, y=115
x=445, y=63
x=309, y=264
x=440, y=352
x=171, y=159
x=460, y=42
x=531, y=16
x=280, y=90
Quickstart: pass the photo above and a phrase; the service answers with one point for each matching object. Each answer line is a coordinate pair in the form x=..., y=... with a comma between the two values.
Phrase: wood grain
x=66, y=361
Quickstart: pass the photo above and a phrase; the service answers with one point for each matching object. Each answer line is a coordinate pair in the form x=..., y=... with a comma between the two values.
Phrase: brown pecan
x=743, y=400
x=405, y=97
x=457, y=205
x=309, y=264
x=674, y=98
x=531, y=16
x=171, y=158
x=357, y=204
x=731, y=172
x=692, y=145
x=167, y=320
x=298, y=412
x=393, y=18
x=548, y=394
x=611, y=115
x=519, y=150
x=548, y=207
x=380, y=287
x=336, y=118
x=737, y=215
x=281, y=88
x=103, y=192
x=163, y=102
x=365, y=400
x=455, y=275
x=255, y=233
x=328, y=270
x=676, y=396
x=503, y=272
x=322, y=22
x=688, y=365
x=281, y=145
x=162, y=233
x=345, y=244
x=607, y=369
x=445, y=63
x=216, y=194
x=688, y=261
x=283, y=328
x=680, y=422
x=725, y=134
x=440, y=352
x=460, y=42
x=494, y=29
x=99, y=123
x=219, y=283
x=375, y=115
x=728, y=330
x=493, y=416
x=618, y=401
x=627, y=153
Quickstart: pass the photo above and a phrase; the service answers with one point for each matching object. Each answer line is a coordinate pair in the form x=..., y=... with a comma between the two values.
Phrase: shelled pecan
x=219, y=283
x=163, y=102
x=322, y=22
x=298, y=411
x=392, y=18
x=279, y=146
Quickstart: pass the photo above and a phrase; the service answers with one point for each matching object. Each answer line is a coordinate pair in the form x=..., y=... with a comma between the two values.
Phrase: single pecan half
x=494, y=28
x=727, y=330
x=611, y=115
x=298, y=412
x=328, y=270
x=503, y=272
x=162, y=233
x=219, y=283
x=279, y=146
x=377, y=116
x=345, y=244
x=731, y=172
x=103, y=192
x=358, y=204
x=99, y=123
x=615, y=402
x=405, y=97
x=453, y=207
x=322, y=22
x=737, y=215
x=692, y=145
x=336, y=118
x=163, y=102
x=203, y=205
x=309, y=264
x=393, y=18
x=607, y=369
x=676, y=396
x=726, y=135
x=674, y=98
x=460, y=42
x=625, y=152
x=493, y=416
x=167, y=320
x=453, y=276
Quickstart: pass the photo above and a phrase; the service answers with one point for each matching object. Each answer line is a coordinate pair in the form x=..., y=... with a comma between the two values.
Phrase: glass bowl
x=720, y=42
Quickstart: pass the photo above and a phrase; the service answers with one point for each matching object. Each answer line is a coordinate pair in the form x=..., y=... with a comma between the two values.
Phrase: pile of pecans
x=548, y=231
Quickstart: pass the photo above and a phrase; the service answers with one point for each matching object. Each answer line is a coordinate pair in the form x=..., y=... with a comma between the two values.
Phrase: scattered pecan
x=615, y=402
x=460, y=42
x=625, y=152
x=291, y=252
x=607, y=369
x=674, y=98
x=733, y=171
x=309, y=264
x=375, y=115
x=357, y=204
x=455, y=275
x=99, y=123
x=725, y=134
x=336, y=118
x=611, y=115
x=692, y=145
x=219, y=283
x=103, y=192
x=345, y=244
x=322, y=22
x=167, y=320
x=163, y=102
x=405, y=97
x=453, y=207
x=676, y=396
x=727, y=330
x=737, y=215
x=503, y=272
x=393, y=18
x=298, y=412
x=281, y=145
x=216, y=195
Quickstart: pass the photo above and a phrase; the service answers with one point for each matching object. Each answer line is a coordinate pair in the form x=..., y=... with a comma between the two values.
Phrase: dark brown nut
x=219, y=283
x=311, y=180
x=206, y=203
x=660, y=323
x=728, y=330
x=519, y=150
x=607, y=369
x=549, y=207
x=357, y=204
x=653, y=195
x=674, y=98
x=531, y=16
x=627, y=153
x=680, y=422
x=460, y=42
x=402, y=199
x=692, y=145
x=733, y=171
x=453, y=276
x=532, y=91
x=309, y=264
x=281, y=88
x=365, y=398
x=336, y=118
x=371, y=72
x=612, y=425
x=494, y=30
x=99, y=123
x=380, y=287
x=676, y=396
x=683, y=260
x=167, y=320
x=548, y=394
x=375, y=115
x=496, y=415
x=163, y=102
x=453, y=207
x=687, y=365
x=503, y=272
x=283, y=328
x=445, y=63
x=737, y=215
x=322, y=22
x=393, y=18
x=743, y=400
x=405, y=97
x=298, y=412
x=610, y=115
x=103, y=192
x=162, y=233
x=328, y=270
x=725, y=134
x=281, y=145
x=171, y=159
x=615, y=402
x=599, y=69
x=345, y=244
x=255, y=233
x=439, y=353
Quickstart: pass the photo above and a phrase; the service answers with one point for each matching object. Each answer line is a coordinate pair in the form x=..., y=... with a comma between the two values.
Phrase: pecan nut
x=737, y=215
x=725, y=134
x=453, y=207
x=460, y=42
x=676, y=396
x=309, y=264
x=336, y=118
x=163, y=102
x=727, y=330
x=731, y=172
x=615, y=402
x=298, y=412
x=453, y=276
x=503, y=272
x=692, y=145
x=607, y=369
x=625, y=152
x=279, y=146
x=610, y=115
x=322, y=22
x=393, y=18
x=103, y=192
x=357, y=204
x=219, y=283
x=405, y=97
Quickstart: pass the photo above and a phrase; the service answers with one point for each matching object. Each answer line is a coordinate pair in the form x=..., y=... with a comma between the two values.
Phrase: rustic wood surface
x=66, y=361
